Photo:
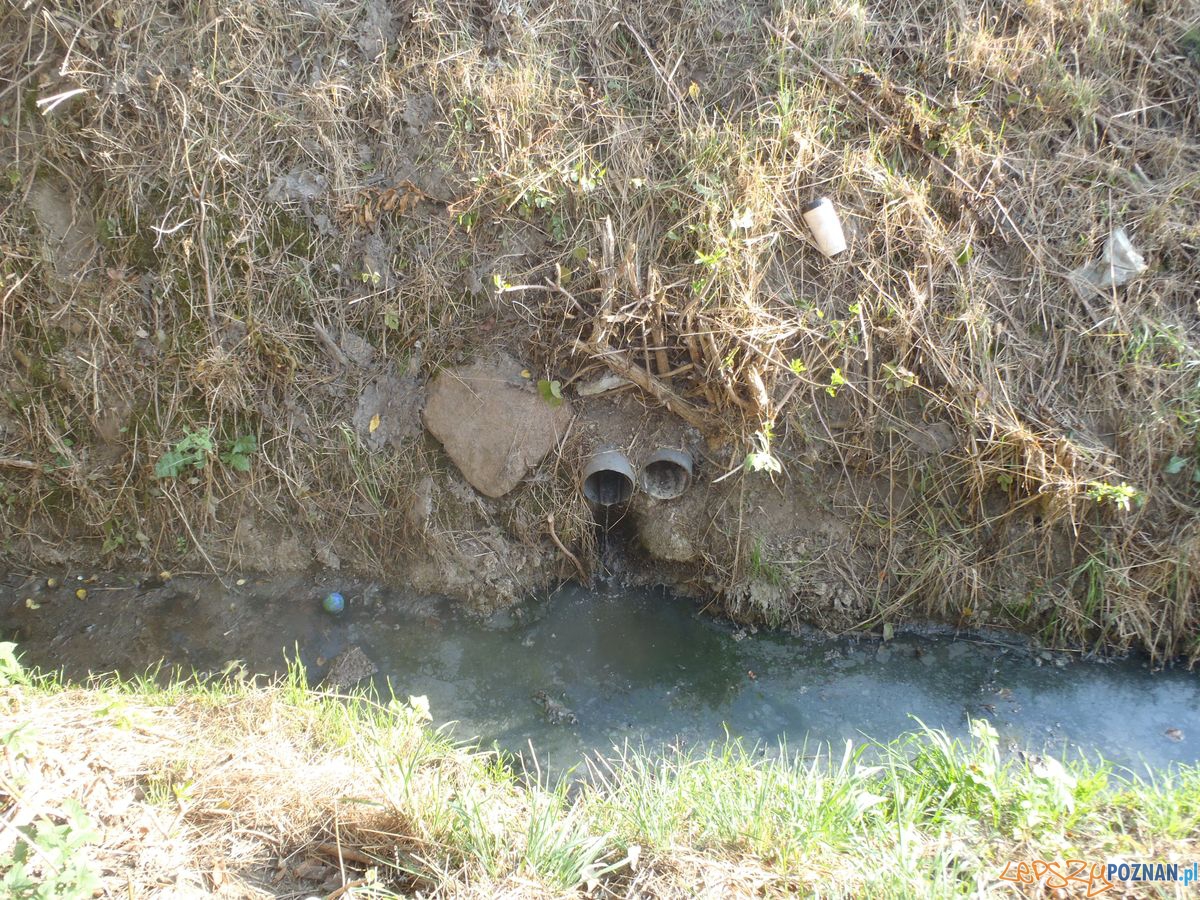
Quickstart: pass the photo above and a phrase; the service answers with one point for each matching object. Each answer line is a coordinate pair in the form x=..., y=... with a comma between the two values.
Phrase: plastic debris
x=1118, y=264
x=333, y=603
x=822, y=220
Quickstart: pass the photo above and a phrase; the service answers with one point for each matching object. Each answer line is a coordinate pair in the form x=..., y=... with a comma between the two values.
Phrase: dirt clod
x=387, y=413
x=349, y=668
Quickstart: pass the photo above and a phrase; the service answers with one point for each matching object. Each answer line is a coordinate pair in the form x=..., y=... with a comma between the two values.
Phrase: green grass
x=925, y=815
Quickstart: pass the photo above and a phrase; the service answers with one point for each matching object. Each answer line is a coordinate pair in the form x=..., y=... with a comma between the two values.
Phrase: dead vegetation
x=208, y=202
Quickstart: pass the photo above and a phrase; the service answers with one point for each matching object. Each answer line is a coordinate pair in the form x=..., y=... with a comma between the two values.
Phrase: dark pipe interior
x=664, y=479
x=608, y=487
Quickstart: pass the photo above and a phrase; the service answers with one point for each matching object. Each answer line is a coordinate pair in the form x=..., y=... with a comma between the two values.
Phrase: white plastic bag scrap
x=1118, y=264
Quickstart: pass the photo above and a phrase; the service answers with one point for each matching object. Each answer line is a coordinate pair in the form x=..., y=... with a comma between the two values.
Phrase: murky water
x=633, y=666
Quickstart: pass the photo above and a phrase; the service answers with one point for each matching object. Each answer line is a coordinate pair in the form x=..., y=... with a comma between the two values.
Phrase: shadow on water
x=584, y=671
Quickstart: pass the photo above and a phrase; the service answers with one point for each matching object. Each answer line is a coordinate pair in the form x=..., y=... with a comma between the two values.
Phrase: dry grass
x=188, y=800
x=580, y=179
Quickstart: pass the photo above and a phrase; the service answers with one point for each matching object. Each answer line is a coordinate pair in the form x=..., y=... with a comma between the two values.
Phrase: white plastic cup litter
x=822, y=220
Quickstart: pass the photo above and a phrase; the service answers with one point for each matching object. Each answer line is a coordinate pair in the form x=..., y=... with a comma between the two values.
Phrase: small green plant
x=113, y=538
x=760, y=458
x=836, y=380
x=49, y=861
x=20, y=743
x=195, y=449
x=468, y=220
x=550, y=391
x=237, y=452
x=1179, y=464
x=585, y=176
x=534, y=199
x=10, y=667
x=712, y=259
x=761, y=568
x=192, y=450
x=898, y=378
x=1119, y=495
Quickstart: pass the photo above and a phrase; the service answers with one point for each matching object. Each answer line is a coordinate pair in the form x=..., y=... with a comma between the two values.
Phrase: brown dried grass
x=977, y=153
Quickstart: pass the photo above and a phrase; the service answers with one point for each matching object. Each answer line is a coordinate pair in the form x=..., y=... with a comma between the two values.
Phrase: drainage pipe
x=607, y=478
x=667, y=473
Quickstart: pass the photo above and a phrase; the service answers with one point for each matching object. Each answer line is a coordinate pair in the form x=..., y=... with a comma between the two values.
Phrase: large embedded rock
x=493, y=423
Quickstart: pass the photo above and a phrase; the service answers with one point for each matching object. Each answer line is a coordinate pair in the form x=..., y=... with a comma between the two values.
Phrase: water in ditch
x=583, y=671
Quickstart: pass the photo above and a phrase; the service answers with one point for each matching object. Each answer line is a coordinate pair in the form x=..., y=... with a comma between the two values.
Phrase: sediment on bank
x=241, y=242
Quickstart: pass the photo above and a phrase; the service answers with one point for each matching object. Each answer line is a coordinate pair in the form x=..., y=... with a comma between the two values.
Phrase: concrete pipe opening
x=667, y=473
x=608, y=478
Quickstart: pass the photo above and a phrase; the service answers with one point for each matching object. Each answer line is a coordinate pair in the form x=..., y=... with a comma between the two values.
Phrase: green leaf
x=836, y=380
x=1175, y=466
x=10, y=667
x=191, y=450
x=550, y=391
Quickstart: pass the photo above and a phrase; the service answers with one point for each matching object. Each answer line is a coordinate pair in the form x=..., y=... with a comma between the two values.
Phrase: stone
x=556, y=713
x=349, y=668
x=420, y=507
x=667, y=530
x=492, y=423
x=662, y=538
x=357, y=349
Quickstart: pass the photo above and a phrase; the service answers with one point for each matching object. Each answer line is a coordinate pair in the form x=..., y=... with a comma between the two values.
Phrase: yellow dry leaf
x=374, y=423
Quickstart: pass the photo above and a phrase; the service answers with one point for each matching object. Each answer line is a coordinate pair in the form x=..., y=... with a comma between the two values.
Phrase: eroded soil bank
x=361, y=287
x=574, y=675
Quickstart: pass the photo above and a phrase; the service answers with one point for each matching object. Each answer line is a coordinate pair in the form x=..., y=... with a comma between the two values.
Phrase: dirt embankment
x=242, y=246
